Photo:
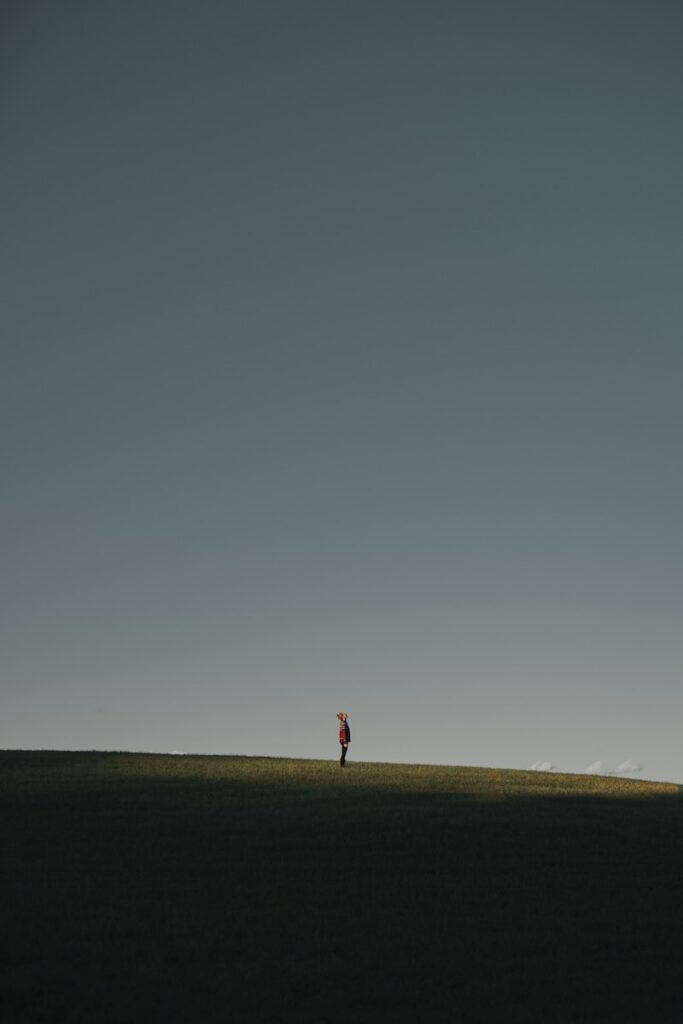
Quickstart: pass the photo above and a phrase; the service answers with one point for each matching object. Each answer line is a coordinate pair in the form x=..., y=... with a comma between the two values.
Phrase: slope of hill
x=262, y=889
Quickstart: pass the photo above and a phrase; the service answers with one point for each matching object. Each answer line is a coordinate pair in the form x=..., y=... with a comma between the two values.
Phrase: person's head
x=342, y=716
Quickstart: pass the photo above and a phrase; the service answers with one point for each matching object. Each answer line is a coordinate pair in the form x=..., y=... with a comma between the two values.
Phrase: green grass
x=161, y=888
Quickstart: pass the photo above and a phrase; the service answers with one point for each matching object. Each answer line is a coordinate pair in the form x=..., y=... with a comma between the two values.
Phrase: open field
x=161, y=888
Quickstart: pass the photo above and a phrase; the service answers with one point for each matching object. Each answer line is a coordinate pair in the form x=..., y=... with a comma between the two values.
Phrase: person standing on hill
x=344, y=736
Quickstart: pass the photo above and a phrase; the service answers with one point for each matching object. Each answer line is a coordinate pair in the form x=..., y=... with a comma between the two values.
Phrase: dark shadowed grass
x=257, y=889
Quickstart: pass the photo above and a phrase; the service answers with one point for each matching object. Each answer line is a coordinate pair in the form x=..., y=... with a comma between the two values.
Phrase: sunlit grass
x=45, y=768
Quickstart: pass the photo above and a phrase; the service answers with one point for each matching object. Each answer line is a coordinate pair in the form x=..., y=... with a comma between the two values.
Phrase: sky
x=341, y=369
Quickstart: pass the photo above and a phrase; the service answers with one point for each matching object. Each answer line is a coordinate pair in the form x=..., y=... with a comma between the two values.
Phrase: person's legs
x=342, y=759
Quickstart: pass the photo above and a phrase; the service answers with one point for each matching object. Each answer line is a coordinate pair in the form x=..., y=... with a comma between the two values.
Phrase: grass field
x=152, y=887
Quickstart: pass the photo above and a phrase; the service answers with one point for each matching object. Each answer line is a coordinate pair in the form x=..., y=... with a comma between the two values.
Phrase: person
x=344, y=736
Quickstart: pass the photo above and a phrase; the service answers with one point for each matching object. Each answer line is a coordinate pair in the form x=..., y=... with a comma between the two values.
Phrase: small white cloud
x=181, y=753
x=598, y=768
x=628, y=766
x=542, y=766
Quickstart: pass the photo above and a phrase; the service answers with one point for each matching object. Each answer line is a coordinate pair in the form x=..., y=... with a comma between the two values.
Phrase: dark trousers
x=342, y=759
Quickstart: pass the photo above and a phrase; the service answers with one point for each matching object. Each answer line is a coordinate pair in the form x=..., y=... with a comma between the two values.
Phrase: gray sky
x=341, y=368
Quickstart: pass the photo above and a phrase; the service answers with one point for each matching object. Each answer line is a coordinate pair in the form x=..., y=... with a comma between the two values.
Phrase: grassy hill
x=161, y=888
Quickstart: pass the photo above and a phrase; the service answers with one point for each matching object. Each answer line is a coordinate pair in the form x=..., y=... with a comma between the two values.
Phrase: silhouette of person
x=344, y=736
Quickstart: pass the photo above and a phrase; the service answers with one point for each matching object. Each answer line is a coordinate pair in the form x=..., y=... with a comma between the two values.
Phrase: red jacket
x=344, y=732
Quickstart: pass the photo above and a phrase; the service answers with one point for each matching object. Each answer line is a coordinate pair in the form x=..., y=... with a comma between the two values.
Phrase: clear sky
x=341, y=368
